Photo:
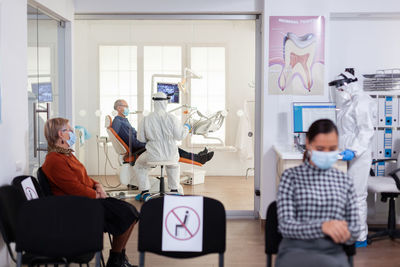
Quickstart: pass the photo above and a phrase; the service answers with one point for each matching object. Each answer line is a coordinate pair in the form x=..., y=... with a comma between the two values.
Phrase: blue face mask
x=72, y=139
x=324, y=160
x=126, y=112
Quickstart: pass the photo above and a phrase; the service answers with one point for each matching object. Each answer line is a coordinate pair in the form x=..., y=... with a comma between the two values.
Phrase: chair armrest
x=350, y=250
x=396, y=179
x=383, y=160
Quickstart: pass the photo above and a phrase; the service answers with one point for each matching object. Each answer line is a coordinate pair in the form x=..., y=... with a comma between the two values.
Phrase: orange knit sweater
x=67, y=176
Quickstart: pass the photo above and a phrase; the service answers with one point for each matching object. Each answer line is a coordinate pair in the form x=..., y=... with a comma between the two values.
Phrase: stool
x=161, y=177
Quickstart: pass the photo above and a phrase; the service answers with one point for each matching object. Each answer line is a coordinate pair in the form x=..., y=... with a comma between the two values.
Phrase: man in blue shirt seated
x=128, y=134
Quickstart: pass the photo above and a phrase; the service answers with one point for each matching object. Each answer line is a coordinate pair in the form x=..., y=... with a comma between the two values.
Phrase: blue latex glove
x=188, y=126
x=347, y=155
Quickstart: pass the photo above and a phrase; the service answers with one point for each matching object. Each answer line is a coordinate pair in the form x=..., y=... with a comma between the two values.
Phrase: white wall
x=14, y=98
x=238, y=36
x=277, y=107
x=369, y=46
x=170, y=6
x=14, y=107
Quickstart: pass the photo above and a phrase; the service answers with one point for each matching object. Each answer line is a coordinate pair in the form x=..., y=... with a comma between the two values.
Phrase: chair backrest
x=272, y=236
x=11, y=200
x=214, y=228
x=44, y=183
x=60, y=226
x=118, y=144
x=17, y=182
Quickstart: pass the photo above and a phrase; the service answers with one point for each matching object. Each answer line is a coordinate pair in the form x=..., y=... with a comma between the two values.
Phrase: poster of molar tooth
x=296, y=55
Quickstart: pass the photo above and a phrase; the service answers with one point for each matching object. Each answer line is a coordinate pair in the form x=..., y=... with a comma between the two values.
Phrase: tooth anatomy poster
x=296, y=55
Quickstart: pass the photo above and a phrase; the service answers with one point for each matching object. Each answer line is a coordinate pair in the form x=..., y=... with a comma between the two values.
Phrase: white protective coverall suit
x=159, y=130
x=357, y=112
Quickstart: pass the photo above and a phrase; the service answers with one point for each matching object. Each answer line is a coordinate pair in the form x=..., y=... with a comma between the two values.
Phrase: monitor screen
x=43, y=91
x=170, y=89
x=304, y=114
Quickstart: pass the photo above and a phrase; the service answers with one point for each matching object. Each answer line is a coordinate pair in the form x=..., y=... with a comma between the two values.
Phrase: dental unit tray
x=382, y=80
x=203, y=125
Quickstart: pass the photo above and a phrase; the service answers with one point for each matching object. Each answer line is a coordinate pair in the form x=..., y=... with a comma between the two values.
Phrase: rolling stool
x=161, y=177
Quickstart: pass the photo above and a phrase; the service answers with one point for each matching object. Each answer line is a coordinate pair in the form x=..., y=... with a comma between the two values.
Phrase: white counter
x=289, y=157
x=287, y=152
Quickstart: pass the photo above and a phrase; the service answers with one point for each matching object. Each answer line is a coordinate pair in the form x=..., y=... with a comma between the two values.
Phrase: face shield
x=160, y=102
x=343, y=86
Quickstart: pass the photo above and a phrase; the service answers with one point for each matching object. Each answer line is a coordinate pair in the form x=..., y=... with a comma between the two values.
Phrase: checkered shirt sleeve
x=309, y=196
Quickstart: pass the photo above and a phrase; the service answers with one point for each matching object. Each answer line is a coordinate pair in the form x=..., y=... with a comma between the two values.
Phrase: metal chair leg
x=351, y=261
x=102, y=259
x=141, y=259
x=19, y=259
x=221, y=259
x=109, y=237
x=162, y=185
x=98, y=259
x=269, y=260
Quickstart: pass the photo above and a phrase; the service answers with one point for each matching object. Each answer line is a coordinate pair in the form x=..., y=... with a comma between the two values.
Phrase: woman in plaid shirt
x=317, y=210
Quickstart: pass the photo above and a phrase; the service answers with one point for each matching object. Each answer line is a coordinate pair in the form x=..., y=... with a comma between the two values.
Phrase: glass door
x=44, y=87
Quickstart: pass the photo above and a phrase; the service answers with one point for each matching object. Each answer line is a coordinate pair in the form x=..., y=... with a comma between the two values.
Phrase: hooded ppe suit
x=355, y=117
x=159, y=130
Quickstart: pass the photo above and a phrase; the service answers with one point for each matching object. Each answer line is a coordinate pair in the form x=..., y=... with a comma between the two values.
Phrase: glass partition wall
x=45, y=89
x=209, y=68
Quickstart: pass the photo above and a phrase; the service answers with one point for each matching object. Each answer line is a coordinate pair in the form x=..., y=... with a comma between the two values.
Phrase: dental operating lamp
x=187, y=74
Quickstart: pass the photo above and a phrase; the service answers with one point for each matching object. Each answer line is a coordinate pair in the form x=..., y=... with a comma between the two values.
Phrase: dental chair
x=126, y=158
x=123, y=151
x=204, y=125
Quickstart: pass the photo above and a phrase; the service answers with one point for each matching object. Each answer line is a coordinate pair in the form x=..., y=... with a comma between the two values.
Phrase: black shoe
x=125, y=260
x=202, y=159
x=203, y=152
x=115, y=259
x=210, y=156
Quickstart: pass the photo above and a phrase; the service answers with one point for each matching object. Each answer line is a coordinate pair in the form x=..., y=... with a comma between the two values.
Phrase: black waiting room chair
x=64, y=227
x=46, y=191
x=273, y=237
x=389, y=189
x=44, y=182
x=28, y=192
x=150, y=230
x=11, y=199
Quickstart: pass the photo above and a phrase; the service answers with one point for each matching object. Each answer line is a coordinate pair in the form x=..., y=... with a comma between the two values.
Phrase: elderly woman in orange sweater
x=67, y=176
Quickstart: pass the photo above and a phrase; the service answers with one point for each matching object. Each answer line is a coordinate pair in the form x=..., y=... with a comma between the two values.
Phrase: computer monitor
x=43, y=91
x=170, y=89
x=304, y=114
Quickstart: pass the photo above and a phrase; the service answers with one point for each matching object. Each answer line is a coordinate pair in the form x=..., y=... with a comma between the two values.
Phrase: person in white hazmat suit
x=159, y=130
x=355, y=116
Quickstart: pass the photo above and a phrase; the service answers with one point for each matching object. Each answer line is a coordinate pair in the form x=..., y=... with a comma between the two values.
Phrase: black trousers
x=118, y=215
x=182, y=154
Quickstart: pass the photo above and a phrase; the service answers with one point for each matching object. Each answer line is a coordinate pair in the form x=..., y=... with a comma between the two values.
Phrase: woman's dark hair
x=323, y=126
